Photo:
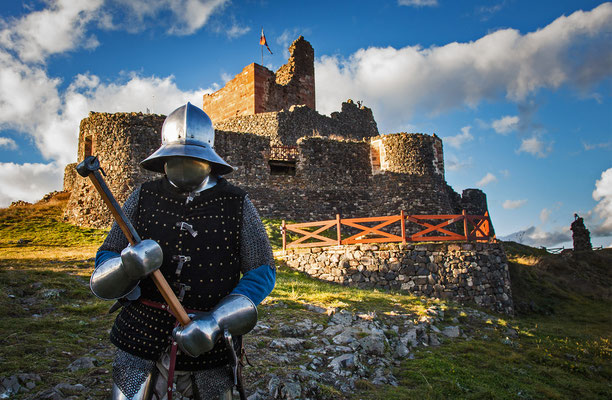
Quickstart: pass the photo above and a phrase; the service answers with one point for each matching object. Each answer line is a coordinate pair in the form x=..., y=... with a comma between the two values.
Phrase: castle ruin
x=295, y=163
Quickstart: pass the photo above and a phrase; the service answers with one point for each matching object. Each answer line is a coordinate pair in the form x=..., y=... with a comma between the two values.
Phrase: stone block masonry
x=474, y=272
x=258, y=90
x=285, y=127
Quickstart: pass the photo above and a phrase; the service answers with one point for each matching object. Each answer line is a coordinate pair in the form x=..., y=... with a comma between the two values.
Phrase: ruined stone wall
x=332, y=176
x=70, y=177
x=414, y=153
x=237, y=97
x=120, y=141
x=474, y=201
x=294, y=82
x=258, y=90
x=474, y=272
x=287, y=126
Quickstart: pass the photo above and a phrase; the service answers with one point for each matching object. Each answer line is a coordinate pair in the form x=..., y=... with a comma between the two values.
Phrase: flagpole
x=262, y=55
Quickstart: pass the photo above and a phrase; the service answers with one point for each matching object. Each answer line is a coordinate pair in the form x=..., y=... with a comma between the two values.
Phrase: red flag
x=263, y=41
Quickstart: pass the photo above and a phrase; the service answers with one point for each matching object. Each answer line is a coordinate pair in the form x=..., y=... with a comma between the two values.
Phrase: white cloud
x=8, y=143
x=287, y=37
x=237, y=31
x=488, y=178
x=505, y=173
x=55, y=128
x=418, y=3
x=452, y=163
x=506, y=124
x=535, y=236
x=225, y=77
x=185, y=16
x=589, y=146
x=28, y=182
x=603, y=195
x=547, y=212
x=56, y=29
x=33, y=103
x=458, y=140
x=512, y=204
x=535, y=147
x=396, y=83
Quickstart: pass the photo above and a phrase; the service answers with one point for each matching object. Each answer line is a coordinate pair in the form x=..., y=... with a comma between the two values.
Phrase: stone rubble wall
x=121, y=141
x=413, y=153
x=332, y=176
x=580, y=235
x=474, y=272
x=70, y=177
x=285, y=127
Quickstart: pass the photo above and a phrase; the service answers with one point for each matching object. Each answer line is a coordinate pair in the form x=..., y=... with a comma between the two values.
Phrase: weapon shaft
x=90, y=167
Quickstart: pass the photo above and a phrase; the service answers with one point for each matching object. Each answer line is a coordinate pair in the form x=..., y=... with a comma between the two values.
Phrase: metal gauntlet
x=118, y=276
x=235, y=314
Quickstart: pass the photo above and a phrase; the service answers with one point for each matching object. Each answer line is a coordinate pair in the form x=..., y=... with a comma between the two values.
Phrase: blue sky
x=520, y=91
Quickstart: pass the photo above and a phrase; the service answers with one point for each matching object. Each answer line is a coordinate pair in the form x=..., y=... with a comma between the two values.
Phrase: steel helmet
x=187, y=132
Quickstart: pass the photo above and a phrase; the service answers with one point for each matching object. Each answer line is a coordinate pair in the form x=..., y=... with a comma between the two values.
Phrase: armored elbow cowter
x=118, y=276
x=235, y=313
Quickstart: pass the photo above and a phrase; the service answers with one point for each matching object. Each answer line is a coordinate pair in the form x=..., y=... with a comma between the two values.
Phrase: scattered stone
x=317, y=309
x=68, y=390
x=409, y=338
x=342, y=318
x=51, y=293
x=451, y=331
x=510, y=332
x=373, y=344
x=345, y=337
x=82, y=363
x=401, y=350
x=287, y=343
x=342, y=362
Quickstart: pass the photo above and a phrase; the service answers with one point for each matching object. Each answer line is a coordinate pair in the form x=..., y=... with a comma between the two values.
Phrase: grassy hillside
x=556, y=347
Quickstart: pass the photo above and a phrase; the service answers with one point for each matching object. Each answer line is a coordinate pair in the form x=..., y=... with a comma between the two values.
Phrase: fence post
x=403, y=219
x=283, y=232
x=465, y=225
x=338, y=223
x=486, y=229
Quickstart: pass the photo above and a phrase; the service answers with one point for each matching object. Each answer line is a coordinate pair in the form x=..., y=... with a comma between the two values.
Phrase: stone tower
x=257, y=89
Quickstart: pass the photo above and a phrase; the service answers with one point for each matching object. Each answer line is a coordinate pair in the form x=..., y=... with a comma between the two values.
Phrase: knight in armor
x=207, y=239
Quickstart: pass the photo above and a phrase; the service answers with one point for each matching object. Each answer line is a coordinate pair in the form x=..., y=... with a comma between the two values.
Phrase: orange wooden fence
x=320, y=233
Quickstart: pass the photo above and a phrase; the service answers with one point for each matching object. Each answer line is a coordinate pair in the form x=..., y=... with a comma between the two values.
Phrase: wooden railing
x=321, y=233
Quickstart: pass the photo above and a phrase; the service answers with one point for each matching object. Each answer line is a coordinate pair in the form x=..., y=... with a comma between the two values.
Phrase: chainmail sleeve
x=255, y=249
x=116, y=240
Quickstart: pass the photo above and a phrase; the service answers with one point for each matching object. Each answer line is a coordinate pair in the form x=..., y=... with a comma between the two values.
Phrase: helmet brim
x=155, y=162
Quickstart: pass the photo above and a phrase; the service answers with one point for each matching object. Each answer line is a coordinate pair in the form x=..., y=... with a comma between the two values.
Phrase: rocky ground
x=320, y=354
x=345, y=351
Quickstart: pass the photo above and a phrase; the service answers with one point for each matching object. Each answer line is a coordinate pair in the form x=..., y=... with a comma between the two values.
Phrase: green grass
x=43, y=225
x=48, y=319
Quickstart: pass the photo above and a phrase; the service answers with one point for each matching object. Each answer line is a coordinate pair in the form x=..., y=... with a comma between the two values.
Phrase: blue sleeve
x=103, y=255
x=257, y=283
